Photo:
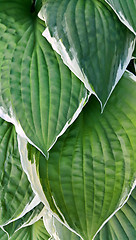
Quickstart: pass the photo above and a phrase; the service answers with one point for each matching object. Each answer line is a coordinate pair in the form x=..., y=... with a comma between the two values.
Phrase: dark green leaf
x=91, y=40
x=37, y=90
x=15, y=190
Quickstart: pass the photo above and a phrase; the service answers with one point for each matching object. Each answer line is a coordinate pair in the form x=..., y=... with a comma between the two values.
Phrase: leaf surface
x=15, y=190
x=89, y=36
x=28, y=219
x=92, y=168
x=37, y=91
x=126, y=11
x=3, y=235
x=122, y=225
x=36, y=231
x=57, y=230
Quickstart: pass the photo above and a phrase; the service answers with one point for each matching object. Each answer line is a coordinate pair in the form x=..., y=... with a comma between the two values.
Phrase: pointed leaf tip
x=91, y=40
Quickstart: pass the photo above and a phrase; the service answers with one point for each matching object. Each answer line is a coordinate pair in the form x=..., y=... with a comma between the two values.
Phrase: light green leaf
x=36, y=231
x=123, y=224
x=92, y=168
x=126, y=11
x=15, y=190
x=91, y=40
x=37, y=91
x=28, y=219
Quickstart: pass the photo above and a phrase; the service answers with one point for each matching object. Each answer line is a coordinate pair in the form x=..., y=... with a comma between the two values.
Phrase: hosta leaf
x=15, y=190
x=3, y=235
x=28, y=219
x=126, y=11
x=30, y=158
x=92, y=167
x=37, y=90
x=36, y=231
x=54, y=228
x=58, y=231
x=91, y=40
x=123, y=224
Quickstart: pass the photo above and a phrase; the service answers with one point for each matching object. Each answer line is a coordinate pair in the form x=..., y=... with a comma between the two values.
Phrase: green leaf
x=28, y=219
x=30, y=158
x=15, y=190
x=3, y=235
x=122, y=225
x=92, y=168
x=91, y=40
x=126, y=11
x=38, y=93
x=36, y=231
x=58, y=231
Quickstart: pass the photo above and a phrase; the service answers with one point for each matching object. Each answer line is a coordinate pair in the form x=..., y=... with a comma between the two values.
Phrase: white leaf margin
x=121, y=17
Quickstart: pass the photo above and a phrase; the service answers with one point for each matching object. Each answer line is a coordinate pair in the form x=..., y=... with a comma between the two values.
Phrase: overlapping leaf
x=122, y=225
x=92, y=167
x=15, y=189
x=58, y=231
x=37, y=90
x=36, y=231
x=53, y=228
x=28, y=219
x=91, y=40
x=126, y=11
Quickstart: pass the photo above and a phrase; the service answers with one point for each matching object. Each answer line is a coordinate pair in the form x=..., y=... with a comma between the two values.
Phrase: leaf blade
x=87, y=44
x=125, y=10
x=14, y=199
x=122, y=224
x=93, y=175
x=38, y=92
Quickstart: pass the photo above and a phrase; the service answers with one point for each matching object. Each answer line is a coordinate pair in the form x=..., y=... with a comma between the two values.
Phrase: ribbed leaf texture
x=15, y=190
x=28, y=219
x=126, y=11
x=36, y=231
x=89, y=36
x=92, y=167
x=122, y=225
x=37, y=90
